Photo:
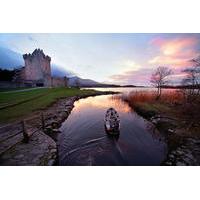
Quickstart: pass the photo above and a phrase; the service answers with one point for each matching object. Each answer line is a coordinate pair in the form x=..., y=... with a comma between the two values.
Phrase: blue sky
x=111, y=58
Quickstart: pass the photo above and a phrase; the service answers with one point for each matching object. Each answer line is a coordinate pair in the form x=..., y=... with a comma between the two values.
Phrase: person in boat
x=112, y=120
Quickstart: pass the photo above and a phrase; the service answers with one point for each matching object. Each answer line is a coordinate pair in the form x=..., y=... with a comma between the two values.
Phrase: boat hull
x=112, y=122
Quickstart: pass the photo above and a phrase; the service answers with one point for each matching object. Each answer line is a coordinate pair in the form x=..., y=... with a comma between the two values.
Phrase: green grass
x=150, y=109
x=11, y=89
x=16, y=97
x=156, y=107
x=23, y=103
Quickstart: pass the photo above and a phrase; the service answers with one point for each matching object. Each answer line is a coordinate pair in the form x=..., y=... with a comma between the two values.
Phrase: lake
x=124, y=90
x=83, y=140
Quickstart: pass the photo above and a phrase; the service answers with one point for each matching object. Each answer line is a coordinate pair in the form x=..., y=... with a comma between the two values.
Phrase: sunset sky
x=111, y=58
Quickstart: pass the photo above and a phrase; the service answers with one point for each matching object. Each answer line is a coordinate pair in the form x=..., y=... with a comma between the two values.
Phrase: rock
x=55, y=116
x=51, y=162
x=54, y=156
x=191, y=140
x=168, y=163
x=55, y=124
x=197, y=142
x=171, y=156
x=63, y=115
x=55, y=130
x=35, y=160
x=48, y=130
x=183, y=147
x=53, y=150
x=67, y=111
x=180, y=164
x=171, y=131
x=173, y=152
x=179, y=152
x=187, y=160
x=19, y=156
x=189, y=155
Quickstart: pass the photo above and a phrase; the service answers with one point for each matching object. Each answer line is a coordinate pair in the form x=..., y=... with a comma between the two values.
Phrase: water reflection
x=104, y=102
x=83, y=140
x=124, y=90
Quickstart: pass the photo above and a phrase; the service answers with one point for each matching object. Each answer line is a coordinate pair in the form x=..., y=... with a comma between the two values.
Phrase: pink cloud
x=142, y=77
x=174, y=52
x=139, y=77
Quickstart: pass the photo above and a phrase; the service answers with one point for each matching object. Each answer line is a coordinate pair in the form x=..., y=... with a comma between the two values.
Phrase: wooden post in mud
x=25, y=133
x=43, y=121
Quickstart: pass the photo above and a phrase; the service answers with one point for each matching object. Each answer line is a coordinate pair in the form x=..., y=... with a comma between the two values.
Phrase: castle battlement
x=36, y=53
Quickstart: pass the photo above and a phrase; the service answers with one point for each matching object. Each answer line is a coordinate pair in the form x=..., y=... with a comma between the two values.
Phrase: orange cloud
x=174, y=52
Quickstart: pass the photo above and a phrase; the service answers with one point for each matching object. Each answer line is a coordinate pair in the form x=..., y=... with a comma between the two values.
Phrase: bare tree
x=159, y=78
x=192, y=80
x=191, y=92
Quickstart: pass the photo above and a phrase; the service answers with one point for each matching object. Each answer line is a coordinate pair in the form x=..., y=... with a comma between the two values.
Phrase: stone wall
x=9, y=84
x=59, y=82
x=37, y=68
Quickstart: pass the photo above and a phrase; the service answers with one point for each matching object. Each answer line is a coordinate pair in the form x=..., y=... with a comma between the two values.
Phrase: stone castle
x=37, y=72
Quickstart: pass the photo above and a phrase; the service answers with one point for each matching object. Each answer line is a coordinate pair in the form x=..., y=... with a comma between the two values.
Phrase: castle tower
x=37, y=69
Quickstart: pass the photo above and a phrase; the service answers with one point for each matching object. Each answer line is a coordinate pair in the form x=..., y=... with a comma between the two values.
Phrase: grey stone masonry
x=37, y=68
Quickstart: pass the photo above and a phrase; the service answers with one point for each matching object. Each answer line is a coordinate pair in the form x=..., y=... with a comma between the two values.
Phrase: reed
x=170, y=97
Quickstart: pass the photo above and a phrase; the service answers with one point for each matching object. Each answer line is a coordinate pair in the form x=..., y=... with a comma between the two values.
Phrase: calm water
x=124, y=90
x=83, y=140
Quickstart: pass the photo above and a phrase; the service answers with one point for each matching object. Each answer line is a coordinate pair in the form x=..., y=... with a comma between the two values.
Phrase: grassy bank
x=17, y=104
x=146, y=104
x=171, y=116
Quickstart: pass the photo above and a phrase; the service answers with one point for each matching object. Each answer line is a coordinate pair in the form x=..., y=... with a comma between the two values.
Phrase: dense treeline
x=6, y=75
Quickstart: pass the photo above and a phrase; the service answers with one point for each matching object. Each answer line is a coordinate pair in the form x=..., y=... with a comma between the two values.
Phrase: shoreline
x=42, y=147
x=182, y=150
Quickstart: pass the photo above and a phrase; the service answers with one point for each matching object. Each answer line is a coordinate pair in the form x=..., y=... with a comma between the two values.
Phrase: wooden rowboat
x=112, y=122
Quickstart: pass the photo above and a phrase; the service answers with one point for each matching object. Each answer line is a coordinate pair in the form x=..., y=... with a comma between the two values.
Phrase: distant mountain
x=130, y=86
x=10, y=59
x=56, y=70
x=77, y=81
